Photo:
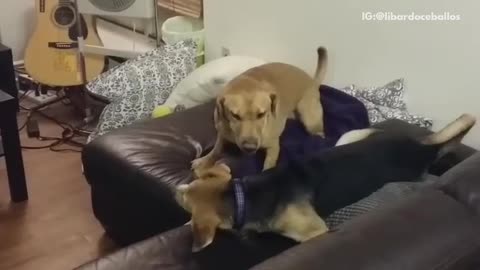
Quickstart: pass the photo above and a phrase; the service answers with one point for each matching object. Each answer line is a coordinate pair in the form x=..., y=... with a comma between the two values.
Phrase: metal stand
x=83, y=72
x=157, y=33
x=82, y=48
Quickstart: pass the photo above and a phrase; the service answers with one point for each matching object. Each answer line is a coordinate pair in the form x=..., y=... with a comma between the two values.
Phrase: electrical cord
x=29, y=115
x=68, y=135
x=23, y=95
x=67, y=138
x=63, y=125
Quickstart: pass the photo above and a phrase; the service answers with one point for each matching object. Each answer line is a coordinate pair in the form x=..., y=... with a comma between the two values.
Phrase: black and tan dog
x=291, y=200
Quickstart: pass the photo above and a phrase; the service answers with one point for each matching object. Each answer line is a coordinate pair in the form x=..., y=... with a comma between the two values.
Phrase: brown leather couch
x=132, y=172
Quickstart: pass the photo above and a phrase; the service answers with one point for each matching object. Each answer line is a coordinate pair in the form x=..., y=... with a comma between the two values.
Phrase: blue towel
x=341, y=113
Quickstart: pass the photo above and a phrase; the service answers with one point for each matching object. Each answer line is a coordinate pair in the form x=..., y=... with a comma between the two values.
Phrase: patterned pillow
x=390, y=193
x=137, y=86
x=387, y=102
x=389, y=95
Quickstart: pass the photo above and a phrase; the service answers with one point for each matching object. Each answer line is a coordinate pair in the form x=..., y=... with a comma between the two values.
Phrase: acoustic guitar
x=51, y=56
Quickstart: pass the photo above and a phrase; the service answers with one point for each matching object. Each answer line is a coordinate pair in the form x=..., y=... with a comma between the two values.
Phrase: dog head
x=204, y=199
x=248, y=115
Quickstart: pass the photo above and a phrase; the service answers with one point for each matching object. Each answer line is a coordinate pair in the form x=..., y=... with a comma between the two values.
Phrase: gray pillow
x=388, y=194
x=137, y=86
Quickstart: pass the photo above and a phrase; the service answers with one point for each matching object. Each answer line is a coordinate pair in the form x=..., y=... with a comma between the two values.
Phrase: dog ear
x=220, y=108
x=204, y=227
x=273, y=104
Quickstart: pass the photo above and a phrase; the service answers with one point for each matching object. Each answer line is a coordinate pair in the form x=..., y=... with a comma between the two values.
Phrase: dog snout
x=249, y=145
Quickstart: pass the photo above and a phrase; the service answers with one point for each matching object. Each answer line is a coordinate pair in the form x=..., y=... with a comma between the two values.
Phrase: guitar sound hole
x=64, y=16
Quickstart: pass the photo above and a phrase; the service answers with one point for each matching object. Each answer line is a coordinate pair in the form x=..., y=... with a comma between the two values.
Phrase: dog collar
x=239, y=204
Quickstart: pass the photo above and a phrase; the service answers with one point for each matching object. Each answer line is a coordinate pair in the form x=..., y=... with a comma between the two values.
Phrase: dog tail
x=321, y=66
x=452, y=134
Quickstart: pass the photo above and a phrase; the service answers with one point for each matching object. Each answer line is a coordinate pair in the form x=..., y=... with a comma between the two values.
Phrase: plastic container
x=180, y=28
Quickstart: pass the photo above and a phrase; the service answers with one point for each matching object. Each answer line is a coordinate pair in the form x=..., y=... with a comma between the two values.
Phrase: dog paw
x=198, y=166
x=202, y=163
x=198, y=163
x=321, y=134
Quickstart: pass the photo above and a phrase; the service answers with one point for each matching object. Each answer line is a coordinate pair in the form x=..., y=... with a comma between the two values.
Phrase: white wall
x=163, y=15
x=439, y=60
x=17, y=21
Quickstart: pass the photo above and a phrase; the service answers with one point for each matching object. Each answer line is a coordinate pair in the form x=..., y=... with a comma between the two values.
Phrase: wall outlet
x=225, y=51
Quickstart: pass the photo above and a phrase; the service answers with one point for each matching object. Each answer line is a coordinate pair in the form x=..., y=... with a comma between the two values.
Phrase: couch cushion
x=388, y=194
x=462, y=182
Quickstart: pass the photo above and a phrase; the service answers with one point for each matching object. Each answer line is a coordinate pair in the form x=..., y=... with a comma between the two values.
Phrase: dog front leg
x=209, y=159
x=271, y=156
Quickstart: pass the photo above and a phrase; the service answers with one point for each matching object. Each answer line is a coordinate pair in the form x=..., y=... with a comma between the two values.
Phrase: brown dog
x=254, y=107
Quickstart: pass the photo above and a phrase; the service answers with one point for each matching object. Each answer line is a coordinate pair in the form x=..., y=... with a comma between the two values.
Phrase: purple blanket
x=342, y=113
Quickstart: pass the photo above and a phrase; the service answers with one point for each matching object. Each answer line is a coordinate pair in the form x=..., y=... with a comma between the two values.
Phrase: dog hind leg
x=299, y=222
x=355, y=136
x=311, y=112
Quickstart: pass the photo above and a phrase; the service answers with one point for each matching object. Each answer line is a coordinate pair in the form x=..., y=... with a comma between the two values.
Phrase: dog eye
x=260, y=115
x=236, y=116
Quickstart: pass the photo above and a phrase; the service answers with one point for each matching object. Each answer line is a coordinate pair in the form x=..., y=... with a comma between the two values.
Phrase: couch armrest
x=161, y=148
x=162, y=252
x=429, y=230
x=442, y=165
x=173, y=140
x=133, y=171
x=172, y=250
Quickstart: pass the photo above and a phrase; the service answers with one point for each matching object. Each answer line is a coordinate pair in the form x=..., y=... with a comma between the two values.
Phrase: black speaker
x=7, y=74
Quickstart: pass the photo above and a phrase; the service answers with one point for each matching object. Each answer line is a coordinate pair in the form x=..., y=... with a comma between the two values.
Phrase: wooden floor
x=55, y=229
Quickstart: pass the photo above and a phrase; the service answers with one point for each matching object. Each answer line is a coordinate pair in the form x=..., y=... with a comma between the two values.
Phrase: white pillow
x=204, y=83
